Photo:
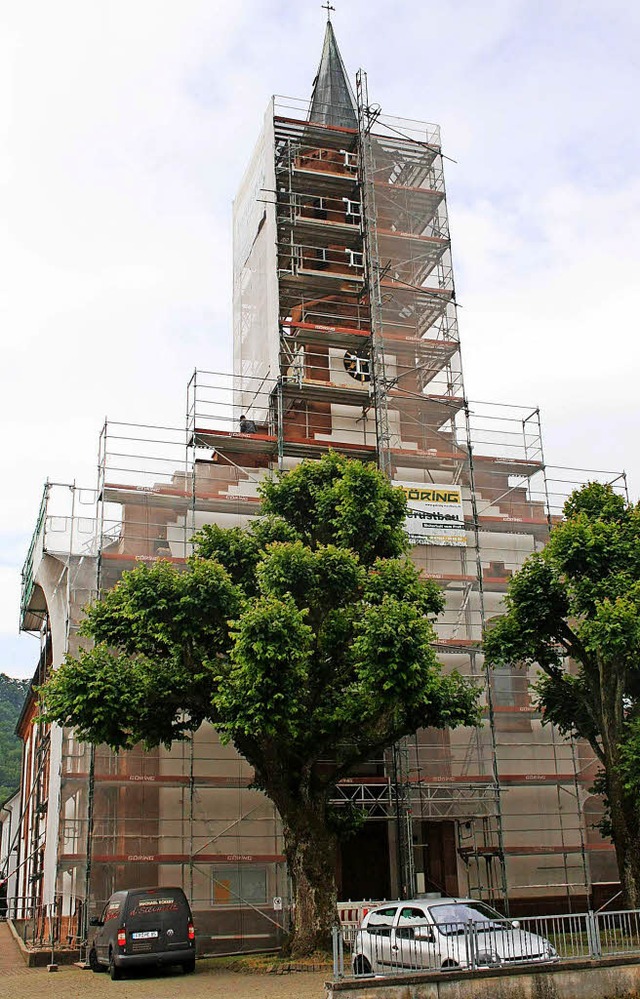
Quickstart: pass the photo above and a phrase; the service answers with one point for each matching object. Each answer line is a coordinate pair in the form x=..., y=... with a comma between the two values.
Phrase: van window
x=111, y=910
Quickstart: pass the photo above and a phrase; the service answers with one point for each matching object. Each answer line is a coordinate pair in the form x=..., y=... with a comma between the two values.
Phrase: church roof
x=332, y=100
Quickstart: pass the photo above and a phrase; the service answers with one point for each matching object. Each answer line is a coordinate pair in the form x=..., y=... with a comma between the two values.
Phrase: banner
x=435, y=515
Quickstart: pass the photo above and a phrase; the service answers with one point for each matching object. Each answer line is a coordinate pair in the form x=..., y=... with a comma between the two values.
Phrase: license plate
x=146, y=935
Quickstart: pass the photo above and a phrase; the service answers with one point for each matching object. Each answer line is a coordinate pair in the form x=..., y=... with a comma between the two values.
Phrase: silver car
x=442, y=934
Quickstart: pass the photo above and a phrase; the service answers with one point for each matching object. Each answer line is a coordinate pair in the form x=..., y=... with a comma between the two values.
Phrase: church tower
x=343, y=285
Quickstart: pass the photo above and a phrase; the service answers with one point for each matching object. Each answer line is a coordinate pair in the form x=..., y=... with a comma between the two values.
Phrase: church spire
x=332, y=100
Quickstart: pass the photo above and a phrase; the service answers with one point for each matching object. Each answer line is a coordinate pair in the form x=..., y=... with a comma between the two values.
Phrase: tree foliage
x=574, y=611
x=305, y=639
x=12, y=695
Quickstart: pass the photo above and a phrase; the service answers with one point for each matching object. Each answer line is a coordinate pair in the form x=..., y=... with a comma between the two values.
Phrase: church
x=345, y=336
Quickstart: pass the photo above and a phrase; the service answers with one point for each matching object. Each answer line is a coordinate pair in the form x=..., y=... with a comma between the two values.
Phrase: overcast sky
x=125, y=129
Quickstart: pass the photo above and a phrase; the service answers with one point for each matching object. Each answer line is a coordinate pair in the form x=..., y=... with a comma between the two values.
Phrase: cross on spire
x=327, y=6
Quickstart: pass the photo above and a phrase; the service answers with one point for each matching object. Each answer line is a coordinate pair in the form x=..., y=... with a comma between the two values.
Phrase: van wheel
x=449, y=965
x=189, y=966
x=361, y=966
x=93, y=962
x=114, y=973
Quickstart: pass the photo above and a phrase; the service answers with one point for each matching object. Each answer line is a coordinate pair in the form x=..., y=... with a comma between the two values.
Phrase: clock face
x=357, y=367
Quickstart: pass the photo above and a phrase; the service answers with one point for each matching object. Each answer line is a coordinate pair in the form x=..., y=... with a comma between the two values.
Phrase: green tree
x=306, y=640
x=574, y=611
x=12, y=695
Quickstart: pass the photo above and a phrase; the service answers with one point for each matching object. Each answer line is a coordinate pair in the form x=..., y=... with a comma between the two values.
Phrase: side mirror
x=95, y=922
x=515, y=923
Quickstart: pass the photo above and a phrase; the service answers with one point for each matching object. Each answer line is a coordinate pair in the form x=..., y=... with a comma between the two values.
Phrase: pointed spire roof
x=332, y=100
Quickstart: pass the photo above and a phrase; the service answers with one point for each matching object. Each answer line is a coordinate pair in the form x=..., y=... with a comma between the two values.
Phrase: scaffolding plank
x=130, y=557
x=314, y=133
x=308, y=447
x=227, y=440
x=314, y=390
x=318, y=232
x=332, y=336
x=177, y=858
x=180, y=502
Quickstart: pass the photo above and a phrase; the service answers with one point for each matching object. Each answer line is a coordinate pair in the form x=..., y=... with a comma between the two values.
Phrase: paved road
x=19, y=982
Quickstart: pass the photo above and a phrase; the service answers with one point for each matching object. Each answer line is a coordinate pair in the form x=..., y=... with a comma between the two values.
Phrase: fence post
x=593, y=935
x=472, y=945
x=338, y=952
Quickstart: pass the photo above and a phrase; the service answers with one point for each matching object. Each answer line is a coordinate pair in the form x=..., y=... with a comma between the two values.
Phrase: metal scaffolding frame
x=359, y=317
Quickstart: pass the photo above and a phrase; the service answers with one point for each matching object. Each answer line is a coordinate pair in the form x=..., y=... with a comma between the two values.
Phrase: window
x=357, y=367
x=239, y=885
x=510, y=686
x=412, y=917
x=320, y=258
x=111, y=911
x=320, y=208
x=450, y=918
x=511, y=698
x=380, y=922
x=409, y=921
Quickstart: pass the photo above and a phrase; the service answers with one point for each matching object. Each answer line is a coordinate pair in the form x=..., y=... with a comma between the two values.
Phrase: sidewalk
x=12, y=963
x=19, y=982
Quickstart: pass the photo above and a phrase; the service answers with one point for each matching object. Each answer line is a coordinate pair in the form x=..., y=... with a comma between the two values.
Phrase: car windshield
x=451, y=917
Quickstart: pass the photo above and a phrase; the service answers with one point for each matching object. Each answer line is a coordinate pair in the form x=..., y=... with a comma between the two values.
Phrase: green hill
x=12, y=695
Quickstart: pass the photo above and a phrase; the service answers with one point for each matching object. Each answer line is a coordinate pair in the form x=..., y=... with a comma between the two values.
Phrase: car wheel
x=93, y=962
x=449, y=965
x=361, y=966
x=114, y=972
x=189, y=966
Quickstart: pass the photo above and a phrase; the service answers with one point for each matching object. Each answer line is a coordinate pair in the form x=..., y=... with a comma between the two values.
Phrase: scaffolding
x=512, y=790
x=345, y=338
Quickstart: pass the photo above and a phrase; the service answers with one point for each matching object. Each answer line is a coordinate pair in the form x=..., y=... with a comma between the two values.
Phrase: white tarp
x=435, y=515
x=256, y=336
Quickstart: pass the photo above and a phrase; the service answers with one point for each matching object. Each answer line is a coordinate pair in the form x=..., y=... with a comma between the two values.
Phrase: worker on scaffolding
x=247, y=426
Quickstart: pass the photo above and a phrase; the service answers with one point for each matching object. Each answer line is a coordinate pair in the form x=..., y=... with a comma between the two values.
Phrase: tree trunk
x=310, y=849
x=625, y=829
x=623, y=808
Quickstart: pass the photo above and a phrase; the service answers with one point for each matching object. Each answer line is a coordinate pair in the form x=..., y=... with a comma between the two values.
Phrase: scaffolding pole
x=489, y=693
x=366, y=119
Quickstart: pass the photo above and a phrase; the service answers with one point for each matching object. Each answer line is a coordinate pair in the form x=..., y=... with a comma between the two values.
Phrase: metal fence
x=398, y=947
x=618, y=933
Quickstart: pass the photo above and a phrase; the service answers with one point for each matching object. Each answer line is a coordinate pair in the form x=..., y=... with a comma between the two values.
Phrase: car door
x=378, y=930
x=413, y=941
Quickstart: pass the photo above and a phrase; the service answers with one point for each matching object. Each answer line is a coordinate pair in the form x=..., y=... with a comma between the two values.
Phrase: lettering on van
x=146, y=906
x=112, y=911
